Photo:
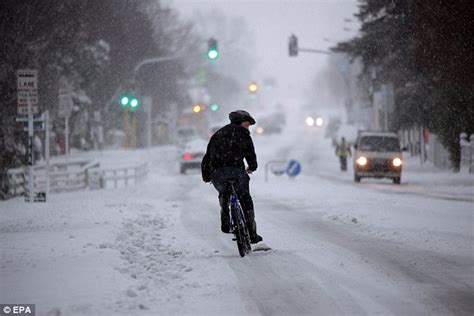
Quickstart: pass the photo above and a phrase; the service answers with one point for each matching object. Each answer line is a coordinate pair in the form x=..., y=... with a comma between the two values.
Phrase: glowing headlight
x=361, y=161
x=397, y=162
x=259, y=130
x=309, y=121
x=319, y=121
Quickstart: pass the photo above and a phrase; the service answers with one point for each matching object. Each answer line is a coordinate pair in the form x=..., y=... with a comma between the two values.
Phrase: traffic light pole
x=148, y=101
x=31, y=155
x=152, y=61
x=293, y=51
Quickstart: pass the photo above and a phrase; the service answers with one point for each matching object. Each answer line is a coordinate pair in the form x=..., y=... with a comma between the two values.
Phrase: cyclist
x=224, y=161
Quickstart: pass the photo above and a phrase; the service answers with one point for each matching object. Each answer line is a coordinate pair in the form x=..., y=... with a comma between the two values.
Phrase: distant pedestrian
x=342, y=151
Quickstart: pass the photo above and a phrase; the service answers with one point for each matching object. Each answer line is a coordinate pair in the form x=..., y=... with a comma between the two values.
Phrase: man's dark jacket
x=227, y=148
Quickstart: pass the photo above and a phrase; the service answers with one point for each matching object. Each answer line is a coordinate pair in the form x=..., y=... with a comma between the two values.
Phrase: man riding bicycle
x=224, y=162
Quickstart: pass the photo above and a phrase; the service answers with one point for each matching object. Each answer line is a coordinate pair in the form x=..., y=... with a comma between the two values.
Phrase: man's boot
x=225, y=220
x=254, y=237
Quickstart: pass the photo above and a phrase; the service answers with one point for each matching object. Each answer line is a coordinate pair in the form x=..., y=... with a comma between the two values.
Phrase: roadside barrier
x=74, y=176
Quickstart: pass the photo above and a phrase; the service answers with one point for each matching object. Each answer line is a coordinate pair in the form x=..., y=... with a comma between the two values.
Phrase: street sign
x=64, y=98
x=65, y=105
x=24, y=118
x=25, y=96
x=27, y=86
x=27, y=79
x=23, y=109
x=37, y=126
x=38, y=121
x=294, y=168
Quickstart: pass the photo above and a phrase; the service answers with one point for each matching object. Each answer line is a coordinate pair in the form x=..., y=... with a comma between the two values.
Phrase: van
x=377, y=155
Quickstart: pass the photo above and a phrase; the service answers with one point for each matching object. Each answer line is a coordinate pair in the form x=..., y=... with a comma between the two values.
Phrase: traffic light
x=129, y=100
x=214, y=107
x=212, y=52
x=124, y=100
x=134, y=103
x=293, y=45
x=197, y=108
x=253, y=87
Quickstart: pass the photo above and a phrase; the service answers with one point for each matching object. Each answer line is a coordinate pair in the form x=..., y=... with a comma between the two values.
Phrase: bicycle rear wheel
x=242, y=236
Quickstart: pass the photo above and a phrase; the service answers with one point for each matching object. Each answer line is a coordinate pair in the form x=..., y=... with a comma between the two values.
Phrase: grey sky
x=273, y=21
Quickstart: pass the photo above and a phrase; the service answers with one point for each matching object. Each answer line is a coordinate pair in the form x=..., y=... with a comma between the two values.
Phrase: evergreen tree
x=422, y=49
x=95, y=45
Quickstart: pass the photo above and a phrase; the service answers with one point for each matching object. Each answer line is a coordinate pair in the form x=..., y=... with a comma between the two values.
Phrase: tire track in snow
x=442, y=284
x=274, y=283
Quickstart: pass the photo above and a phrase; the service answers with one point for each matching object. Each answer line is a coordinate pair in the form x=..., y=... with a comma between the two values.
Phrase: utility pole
x=294, y=49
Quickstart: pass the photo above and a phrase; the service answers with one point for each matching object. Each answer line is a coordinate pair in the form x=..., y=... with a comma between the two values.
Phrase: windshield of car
x=195, y=146
x=379, y=143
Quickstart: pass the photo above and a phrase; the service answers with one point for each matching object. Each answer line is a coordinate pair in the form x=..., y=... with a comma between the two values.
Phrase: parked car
x=377, y=155
x=192, y=155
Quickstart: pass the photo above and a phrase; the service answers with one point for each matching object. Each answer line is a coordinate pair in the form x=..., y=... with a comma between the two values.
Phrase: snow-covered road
x=339, y=248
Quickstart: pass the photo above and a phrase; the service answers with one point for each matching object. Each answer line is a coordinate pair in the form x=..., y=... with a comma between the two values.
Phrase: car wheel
x=396, y=180
x=356, y=178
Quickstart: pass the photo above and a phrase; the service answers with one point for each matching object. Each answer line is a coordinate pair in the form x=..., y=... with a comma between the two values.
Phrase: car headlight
x=361, y=161
x=397, y=162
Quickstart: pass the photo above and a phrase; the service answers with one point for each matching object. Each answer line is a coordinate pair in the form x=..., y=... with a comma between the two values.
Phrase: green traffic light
x=214, y=107
x=134, y=103
x=128, y=100
x=212, y=54
x=124, y=101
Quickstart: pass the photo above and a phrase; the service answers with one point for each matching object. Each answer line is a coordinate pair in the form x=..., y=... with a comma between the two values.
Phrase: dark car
x=192, y=155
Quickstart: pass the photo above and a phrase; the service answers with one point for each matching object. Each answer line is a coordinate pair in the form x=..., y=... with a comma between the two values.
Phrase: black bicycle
x=238, y=224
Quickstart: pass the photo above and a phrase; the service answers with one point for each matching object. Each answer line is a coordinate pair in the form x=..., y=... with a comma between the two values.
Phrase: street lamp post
x=148, y=100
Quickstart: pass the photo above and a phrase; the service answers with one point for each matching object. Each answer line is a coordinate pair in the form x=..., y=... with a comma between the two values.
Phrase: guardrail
x=63, y=176
x=467, y=152
x=73, y=176
x=123, y=176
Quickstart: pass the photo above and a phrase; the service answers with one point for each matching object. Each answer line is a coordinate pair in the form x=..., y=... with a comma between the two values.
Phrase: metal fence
x=73, y=176
x=101, y=178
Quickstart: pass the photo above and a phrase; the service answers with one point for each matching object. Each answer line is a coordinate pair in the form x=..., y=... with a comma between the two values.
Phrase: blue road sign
x=294, y=168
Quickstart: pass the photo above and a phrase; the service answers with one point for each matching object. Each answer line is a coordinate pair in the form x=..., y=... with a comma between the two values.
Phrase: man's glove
x=206, y=178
